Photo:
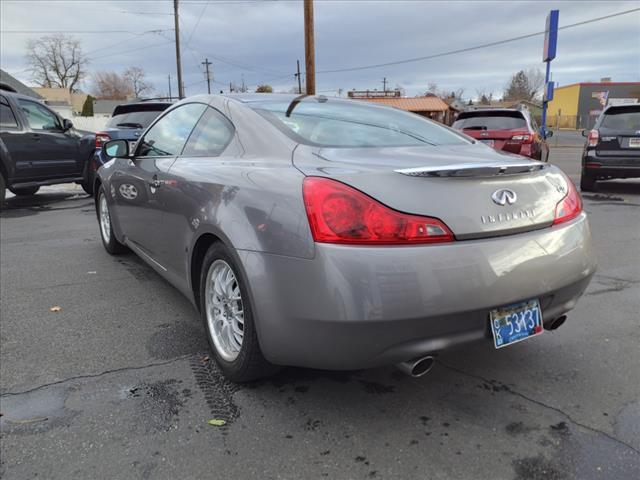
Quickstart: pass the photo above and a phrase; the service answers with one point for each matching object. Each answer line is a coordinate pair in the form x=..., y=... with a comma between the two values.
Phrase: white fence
x=90, y=124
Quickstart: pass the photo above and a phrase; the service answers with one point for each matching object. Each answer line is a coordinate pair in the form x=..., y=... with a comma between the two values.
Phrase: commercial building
x=428, y=106
x=578, y=105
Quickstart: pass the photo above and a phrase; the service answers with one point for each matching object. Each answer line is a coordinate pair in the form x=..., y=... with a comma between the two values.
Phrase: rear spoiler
x=476, y=169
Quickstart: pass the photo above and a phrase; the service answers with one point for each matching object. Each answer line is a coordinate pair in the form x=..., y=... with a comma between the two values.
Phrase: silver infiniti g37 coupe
x=337, y=234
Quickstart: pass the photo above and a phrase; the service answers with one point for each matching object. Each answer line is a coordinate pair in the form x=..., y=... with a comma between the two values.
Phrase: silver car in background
x=337, y=234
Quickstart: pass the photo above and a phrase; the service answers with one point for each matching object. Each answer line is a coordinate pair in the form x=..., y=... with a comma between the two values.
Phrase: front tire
x=587, y=182
x=22, y=192
x=109, y=241
x=228, y=319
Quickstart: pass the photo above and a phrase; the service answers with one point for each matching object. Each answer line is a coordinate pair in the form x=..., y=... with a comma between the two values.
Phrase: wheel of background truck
x=87, y=186
x=228, y=319
x=587, y=182
x=3, y=190
x=111, y=244
x=87, y=182
x=24, y=191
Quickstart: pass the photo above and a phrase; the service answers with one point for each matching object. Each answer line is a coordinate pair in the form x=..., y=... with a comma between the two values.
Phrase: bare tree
x=136, y=77
x=524, y=85
x=400, y=88
x=56, y=61
x=432, y=89
x=111, y=86
x=484, y=98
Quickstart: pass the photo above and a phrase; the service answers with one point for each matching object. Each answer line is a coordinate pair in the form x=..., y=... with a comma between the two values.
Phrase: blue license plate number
x=517, y=322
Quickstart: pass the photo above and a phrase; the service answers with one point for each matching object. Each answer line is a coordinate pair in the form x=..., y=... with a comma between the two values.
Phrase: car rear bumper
x=359, y=307
x=613, y=167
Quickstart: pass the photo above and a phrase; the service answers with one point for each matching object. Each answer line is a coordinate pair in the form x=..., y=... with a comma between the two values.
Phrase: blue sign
x=548, y=92
x=551, y=36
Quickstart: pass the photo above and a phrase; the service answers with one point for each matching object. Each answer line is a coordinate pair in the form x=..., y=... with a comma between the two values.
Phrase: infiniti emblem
x=504, y=196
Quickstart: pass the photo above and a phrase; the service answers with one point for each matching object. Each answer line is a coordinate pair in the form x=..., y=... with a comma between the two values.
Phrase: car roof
x=9, y=93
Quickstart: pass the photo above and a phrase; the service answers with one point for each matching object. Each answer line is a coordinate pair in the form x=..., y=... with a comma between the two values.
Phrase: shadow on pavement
x=16, y=207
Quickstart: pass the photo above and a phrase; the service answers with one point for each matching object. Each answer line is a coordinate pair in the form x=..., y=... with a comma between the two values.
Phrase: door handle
x=36, y=137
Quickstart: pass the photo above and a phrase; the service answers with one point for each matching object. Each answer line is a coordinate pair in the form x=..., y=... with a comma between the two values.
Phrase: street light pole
x=176, y=22
x=309, y=48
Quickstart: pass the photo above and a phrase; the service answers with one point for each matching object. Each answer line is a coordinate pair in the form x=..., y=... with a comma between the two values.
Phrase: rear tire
x=22, y=192
x=3, y=190
x=587, y=182
x=109, y=241
x=241, y=361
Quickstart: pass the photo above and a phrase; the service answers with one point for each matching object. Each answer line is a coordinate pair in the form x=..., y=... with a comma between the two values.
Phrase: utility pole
x=298, y=75
x=169, y=76
x=206, y=64
x=384, y=84
x=309, y=48
x=176, y=22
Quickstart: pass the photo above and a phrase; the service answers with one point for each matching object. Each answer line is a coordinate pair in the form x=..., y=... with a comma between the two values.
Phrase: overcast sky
x=261, y=40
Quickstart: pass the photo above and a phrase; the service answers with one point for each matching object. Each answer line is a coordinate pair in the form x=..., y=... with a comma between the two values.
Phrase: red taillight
x=523, y=138
x=592, y=139
x=570, y=206
x=338, y=213
x=102, y=137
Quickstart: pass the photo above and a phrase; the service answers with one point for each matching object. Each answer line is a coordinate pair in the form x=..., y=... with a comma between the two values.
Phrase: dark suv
x=127, y=122
x=38, y=147
x=507, y=129
x=612, y=149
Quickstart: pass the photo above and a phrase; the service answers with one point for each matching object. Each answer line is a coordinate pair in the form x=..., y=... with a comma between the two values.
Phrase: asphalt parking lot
x=117, y=383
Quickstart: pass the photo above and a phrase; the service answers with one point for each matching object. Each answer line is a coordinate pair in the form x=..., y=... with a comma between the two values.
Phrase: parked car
x=127, y=122
x=612, y=149
x=336, y=234
x=506, y=129
x=38, y=147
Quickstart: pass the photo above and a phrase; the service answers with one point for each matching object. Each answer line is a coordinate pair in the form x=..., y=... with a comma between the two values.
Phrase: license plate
x=517, y=322
x=491, y=143
x=634, y=143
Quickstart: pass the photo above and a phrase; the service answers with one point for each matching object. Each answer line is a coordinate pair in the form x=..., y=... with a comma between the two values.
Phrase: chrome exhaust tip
x=418, y=366
x=555, y=323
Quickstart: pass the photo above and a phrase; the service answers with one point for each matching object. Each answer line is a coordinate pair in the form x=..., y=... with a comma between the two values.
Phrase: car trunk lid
x=506, y=140
x=452, y=183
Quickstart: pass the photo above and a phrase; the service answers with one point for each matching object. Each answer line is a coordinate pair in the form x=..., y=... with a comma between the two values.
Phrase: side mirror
x=584, y=133
x=549, y=133
x=116, y=148
x=66, y=124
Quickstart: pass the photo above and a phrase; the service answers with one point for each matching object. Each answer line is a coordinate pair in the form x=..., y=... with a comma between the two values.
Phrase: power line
x=87, y=31
x=197, y=22
x=477, y=47
x=132, y=50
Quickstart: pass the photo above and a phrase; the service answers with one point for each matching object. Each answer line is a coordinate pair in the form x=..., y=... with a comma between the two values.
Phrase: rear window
x=622, y=118
x=135, y=116
x=354, y=124
x=490, y=121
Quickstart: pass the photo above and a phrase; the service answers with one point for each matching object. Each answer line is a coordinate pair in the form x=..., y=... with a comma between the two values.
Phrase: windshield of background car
x=490, y=121
x=354, y=124
x=143, y=119
x=627, y=118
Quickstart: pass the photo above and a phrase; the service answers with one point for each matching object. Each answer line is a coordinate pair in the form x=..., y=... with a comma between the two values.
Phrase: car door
x=197, y=180
x=137, y=184
x=53, y=152
x=13, y=135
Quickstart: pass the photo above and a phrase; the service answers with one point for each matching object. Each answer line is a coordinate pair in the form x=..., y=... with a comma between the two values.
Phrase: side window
x=211, y=136
x=7, y=118
x=39, y=117
x=169, y=134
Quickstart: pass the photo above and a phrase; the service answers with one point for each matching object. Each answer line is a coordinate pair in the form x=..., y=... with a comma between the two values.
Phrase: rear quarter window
x=7, y=118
